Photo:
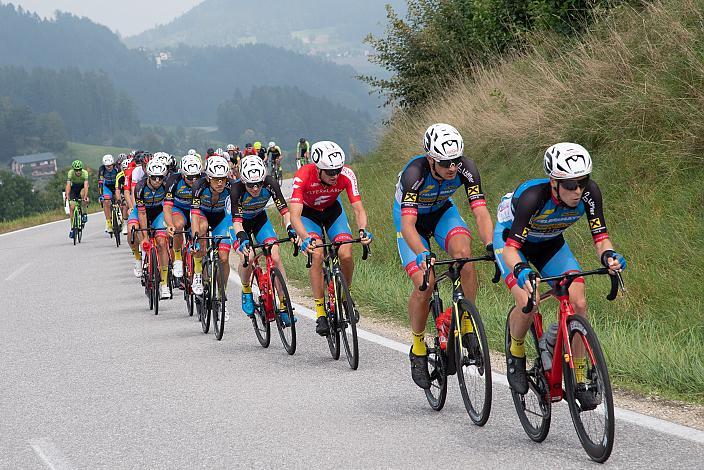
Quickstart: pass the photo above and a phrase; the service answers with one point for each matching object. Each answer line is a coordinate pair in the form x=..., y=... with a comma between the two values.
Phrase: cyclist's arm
x=295, y=211
x=85, y=189
x=101, y=179
x=360, y=215
x=469, y=175
x=169, y=200
x=68, y=189
x=594, y=209
x=277, y=195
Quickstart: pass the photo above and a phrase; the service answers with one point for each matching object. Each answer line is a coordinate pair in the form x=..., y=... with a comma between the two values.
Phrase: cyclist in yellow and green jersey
x=77, y=188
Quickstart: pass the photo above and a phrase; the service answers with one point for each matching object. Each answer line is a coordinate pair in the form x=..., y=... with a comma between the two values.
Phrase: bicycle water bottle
x=547, y=346
x=442, y=323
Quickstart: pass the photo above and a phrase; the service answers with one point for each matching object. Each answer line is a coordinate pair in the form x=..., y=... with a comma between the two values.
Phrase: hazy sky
x=126, y=16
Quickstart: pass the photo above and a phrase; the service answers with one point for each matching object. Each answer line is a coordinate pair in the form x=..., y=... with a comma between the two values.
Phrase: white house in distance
x=38, y=164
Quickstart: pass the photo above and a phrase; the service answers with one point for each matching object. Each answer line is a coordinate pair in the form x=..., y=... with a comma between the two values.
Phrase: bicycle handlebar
x=461, y=262
x=616, y=283
x=365, y=249
x=276, y=242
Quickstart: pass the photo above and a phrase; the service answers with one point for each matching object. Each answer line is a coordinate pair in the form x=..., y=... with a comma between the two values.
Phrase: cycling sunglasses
x=254, y=185
x=572, y=185
x=191, y=177
x=333, y=173
x=155, y=178
x=449, y=163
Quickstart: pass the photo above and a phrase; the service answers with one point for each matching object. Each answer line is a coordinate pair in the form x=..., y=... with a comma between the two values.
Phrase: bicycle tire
x=277, y=279
x=188, y=295
x=116, y=229
x=333, y=332
x=476, y=371
x=156, y=278
x=538, y=429
x=598, y=374
x=346, y=319
x=437, y=366
x=218, y=299
x=262, y=328
x=147, y=277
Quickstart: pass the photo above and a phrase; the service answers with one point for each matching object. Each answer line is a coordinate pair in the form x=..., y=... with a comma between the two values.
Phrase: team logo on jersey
x=410, y=197
x=525, y=232
x=595, y=223
x=473, y=190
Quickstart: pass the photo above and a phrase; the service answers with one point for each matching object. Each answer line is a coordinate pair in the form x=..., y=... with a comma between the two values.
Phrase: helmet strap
x=320, y=177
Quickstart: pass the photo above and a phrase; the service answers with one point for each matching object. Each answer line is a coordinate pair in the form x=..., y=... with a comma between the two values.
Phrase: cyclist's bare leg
x=224, y=254
x=519, y=322
x=199, y=226
x=179, y=223
x=162, y=248
x=106, y=209
x=346, y=263
x=459, y=247
x=418, y=302
x=245, y=273
x=578, y=299
x=316, y=274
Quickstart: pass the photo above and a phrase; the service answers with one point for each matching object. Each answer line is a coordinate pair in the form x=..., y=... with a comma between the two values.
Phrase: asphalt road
x=89, y=378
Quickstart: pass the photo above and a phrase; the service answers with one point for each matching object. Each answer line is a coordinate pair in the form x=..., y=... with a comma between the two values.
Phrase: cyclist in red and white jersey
x=315, y=205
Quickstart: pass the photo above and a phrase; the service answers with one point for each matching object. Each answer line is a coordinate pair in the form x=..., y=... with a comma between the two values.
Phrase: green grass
x=41, y=218
x=630, y=91
x=91, y=155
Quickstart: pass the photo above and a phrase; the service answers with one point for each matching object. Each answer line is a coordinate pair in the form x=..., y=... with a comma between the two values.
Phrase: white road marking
x=50, y=454
x=41, y=225
x=639, y=419
x=17, y=271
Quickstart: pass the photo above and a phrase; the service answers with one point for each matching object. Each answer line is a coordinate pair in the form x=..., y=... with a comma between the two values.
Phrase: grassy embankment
x=631, y=92
x=41, y=218
x=90, y=155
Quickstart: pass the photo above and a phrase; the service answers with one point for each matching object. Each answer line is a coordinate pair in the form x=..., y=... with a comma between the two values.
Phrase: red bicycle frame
x=264, y=275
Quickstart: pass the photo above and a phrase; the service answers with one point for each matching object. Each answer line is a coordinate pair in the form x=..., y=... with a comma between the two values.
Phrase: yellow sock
x=319, y=308
x=198, y=265
x=282, y=304
x=419, y=348
x=177, y=255
x=518, y=349
x=246, y=288
x=164, y=274
x=466, y=324
x=580, y=369
x=137, y=254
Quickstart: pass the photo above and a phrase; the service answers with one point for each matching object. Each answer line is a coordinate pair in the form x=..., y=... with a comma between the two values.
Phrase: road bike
x=77, y=221
x=116, y=218
x=151, y=271
x=186, y=282
x=340, y=310
x=268, y=287
x=454, y=351
x=594, y=420
x=277, y=172
x=211, y=305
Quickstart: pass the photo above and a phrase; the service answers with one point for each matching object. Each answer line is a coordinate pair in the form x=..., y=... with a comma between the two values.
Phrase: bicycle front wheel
x=473, y=364
x=261, y=325
x=347, y=321
x=218, y=299
x=287, y=330
x=116, y=229
x=534, y=409
x=590, y=398
x=156, y=278
x=333, y=330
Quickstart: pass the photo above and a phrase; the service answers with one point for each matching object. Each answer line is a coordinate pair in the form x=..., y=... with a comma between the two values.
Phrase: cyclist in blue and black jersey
x=149, y=198
x=531, y=221
x=208, y=210
x=177, y=204
x=249, y=197
x=423, y=208
x=107, y=174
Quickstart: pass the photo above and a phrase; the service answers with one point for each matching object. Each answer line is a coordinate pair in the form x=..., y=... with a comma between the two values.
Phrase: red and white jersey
x=311, y=192
x=138, y=175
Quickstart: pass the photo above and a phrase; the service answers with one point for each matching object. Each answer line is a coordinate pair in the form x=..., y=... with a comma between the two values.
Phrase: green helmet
x=77, y=165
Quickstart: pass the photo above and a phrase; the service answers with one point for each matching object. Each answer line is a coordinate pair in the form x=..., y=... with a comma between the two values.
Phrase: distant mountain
x=182, y=86
x=333, y=29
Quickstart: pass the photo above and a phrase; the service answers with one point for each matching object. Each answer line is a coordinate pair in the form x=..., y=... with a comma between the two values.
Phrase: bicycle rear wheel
x=287, y=332
x=116, y=228
x=594, y=419
x=156, y=278
x=534, y=409
x=218, y=299
x=261, y=325
x=187, y=280
x=346, y=320
x=331, y=312
x=473, y=367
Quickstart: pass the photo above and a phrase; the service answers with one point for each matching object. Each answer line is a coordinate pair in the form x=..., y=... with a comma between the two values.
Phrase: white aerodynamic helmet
x=125, y=163
x=217, y=167
x=219, y=151
x=272, y=144
x=567, y=161
x=443, y=142
x=161, y=156
x=108, y=160
x=192, y=152
x=252, y=169
x=191, y=165
x=156, y=167
x=230, y=147
x=327, y=155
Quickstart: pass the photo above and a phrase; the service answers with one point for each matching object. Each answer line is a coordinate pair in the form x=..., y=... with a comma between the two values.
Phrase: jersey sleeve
x=139, y=196
x=198, y=187
x=68, y=176
x=170, y=185
x=352, y=187
x=410, y=182
x=594, y=210
x=469, y=174
x=527, y=204
x=300, y=183
x=236, y=192
x=101, y=174
x=277, y=195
